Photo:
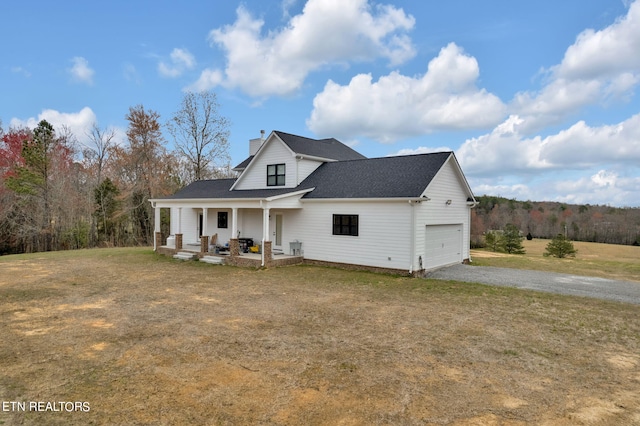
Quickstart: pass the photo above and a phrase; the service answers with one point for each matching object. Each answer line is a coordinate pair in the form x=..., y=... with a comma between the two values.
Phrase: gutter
x=364, y=200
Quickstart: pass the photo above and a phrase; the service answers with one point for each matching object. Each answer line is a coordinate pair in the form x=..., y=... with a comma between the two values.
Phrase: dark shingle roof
x=244, y=164
x=219, y=188
x=387, y=177
x=331, y=149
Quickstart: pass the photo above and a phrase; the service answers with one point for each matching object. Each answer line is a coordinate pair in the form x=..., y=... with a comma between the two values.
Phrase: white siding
x=305, y=168
x=384, y=238
x=447, y=185
x=274, y=152
x=250, y=224
x=190, y=225
x=212, y=225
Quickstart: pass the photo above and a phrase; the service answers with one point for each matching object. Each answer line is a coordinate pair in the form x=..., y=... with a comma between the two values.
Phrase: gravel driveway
x=600, y=288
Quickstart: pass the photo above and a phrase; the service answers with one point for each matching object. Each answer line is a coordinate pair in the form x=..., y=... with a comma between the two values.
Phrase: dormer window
x=275, y=174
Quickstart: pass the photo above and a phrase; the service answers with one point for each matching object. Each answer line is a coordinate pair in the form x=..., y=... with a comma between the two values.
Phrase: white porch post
x=156, y=226
x=234, y=222
x=204, y=220
x=265, y=232
x=179, y=221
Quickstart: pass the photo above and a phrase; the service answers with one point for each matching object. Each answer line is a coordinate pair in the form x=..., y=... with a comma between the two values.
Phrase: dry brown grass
x=146, y=340
x=593, y=259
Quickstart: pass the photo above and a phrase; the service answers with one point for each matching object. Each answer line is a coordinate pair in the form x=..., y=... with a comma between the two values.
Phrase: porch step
x=185, y=255
x=214, y=260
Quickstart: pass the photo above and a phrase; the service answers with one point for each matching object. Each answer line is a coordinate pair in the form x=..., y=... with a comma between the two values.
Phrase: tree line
x=544, y=219
x=57, y=193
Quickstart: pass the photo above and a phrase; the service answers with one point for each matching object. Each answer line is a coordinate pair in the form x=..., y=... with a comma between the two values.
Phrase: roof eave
x=367, y=199
x=314, y=158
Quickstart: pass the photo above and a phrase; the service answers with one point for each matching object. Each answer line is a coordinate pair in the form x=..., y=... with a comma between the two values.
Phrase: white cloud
x=208, y=79
x=396, y=106
x=503, y=151
x=327, y=32
x=181, y=60
x=506, y=151
x=80, y=71
x=585, y=146
x=518, y=191
x=608, y=52
x=79, y=123
x=602, y=187
x=421, y=150
x=600, y=66
x=596, y=186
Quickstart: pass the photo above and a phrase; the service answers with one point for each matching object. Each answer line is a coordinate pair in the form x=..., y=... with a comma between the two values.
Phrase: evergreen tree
x=512, y=240
x=560, y=247
x=107, y=206
x=492, y=240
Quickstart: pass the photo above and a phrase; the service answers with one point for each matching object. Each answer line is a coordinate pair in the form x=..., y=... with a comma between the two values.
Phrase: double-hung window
x=345, y=224
x=275, y=175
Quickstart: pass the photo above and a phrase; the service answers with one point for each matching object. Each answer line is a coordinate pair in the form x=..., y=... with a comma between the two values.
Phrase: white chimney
x=255, y=144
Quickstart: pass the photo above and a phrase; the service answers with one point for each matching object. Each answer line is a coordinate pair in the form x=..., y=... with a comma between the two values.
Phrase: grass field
x=143, y=339
x=593, y=259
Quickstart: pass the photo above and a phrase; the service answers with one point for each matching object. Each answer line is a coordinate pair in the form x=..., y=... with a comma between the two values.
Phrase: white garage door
x=443, y=245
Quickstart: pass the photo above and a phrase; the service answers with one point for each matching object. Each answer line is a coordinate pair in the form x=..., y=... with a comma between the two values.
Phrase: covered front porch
x=249, y=233
x=254, y=260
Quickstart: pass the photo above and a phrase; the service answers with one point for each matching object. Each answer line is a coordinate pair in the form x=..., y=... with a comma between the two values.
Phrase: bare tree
x=101, y=143
x=96, y=153
x=201, y=134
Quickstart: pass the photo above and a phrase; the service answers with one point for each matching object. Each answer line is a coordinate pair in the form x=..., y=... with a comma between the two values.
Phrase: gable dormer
x=283, y=160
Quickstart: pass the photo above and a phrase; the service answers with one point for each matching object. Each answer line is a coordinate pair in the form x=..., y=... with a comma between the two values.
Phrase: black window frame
x=223, y=220
x=346, y=224
x=276, y=174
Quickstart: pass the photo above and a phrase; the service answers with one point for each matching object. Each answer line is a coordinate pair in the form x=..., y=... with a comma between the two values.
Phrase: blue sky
x=537, y=99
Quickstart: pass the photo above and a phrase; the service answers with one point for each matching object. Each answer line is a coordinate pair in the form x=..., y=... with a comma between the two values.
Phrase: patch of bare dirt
x=145, y=340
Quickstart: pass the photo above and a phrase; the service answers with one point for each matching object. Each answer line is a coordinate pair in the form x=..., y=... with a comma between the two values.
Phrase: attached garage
x=443, y=245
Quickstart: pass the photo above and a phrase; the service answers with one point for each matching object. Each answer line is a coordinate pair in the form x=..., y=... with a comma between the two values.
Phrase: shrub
x=492, y=240
x=508, y=240
x=560, y=247
x=512, y=240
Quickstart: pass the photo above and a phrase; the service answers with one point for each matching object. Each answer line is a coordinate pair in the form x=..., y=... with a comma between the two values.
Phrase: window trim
x=223, y=219
x=277, y=179
x=350, y=228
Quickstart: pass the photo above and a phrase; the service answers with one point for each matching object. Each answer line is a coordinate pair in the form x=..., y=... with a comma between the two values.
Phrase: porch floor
x=255, y=259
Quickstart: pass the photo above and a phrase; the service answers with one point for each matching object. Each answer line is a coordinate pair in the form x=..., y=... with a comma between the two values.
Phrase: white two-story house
x=326, y=203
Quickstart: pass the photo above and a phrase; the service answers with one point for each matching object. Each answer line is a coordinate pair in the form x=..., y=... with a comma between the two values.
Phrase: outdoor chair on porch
x=213, y=243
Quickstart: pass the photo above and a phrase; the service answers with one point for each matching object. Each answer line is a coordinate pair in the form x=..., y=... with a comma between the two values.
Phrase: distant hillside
x=544, y=219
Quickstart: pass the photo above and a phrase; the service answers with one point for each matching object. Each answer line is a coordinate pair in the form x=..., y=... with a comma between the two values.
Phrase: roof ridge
x=215, y=179
x=395, y=156
x=291, y=134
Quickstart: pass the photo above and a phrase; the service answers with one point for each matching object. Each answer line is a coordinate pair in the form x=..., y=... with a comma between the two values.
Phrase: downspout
x=412, y=248
x=471, y=205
